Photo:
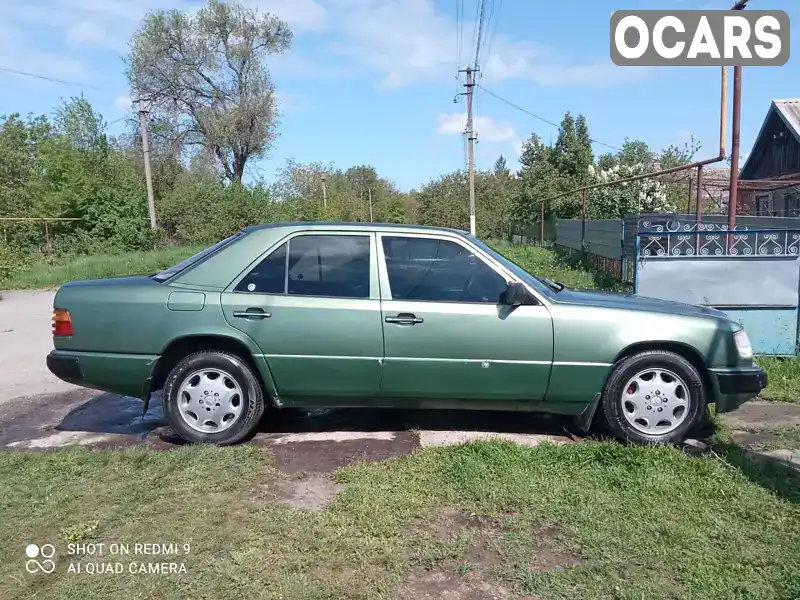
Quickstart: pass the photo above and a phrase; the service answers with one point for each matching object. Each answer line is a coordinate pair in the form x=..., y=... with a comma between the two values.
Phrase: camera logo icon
x=46, y=552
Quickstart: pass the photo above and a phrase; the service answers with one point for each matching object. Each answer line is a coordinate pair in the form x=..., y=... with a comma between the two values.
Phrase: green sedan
x=380, y=315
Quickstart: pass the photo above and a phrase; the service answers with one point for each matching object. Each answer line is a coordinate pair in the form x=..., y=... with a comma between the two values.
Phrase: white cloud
x=403, y=41
x=487, y=129
x=299, y=14
x=408, y=41
x=123, y=103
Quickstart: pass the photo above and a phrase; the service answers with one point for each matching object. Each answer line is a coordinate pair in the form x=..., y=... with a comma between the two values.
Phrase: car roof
x=356, y=226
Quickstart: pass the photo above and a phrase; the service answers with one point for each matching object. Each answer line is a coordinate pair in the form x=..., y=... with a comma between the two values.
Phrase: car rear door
x=445, y=334
x=312, y=305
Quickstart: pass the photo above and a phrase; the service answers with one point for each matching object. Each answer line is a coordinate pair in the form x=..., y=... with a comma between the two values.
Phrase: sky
x=374, y=81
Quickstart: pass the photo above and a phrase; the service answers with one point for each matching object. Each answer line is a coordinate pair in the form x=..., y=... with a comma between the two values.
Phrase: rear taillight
x=62, y=322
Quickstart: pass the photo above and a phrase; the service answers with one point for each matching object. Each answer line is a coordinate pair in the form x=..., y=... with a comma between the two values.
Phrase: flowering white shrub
x=616, y=201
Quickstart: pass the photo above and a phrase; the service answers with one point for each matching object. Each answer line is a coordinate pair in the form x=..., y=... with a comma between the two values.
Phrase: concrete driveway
x=39, y=411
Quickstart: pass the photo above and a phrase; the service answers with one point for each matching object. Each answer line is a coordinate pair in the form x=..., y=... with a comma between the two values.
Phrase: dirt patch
x=551, y=554
x=759, y=416
x=327, y=456
x=311, y=493
x=478, y=573
x=753, y=438
x=438, y=584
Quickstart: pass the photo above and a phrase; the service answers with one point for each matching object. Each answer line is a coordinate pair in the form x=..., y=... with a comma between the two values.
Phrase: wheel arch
x=684, y=350
x=182, y=346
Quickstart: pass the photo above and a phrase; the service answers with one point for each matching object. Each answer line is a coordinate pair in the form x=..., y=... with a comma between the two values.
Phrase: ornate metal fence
x=751, y=275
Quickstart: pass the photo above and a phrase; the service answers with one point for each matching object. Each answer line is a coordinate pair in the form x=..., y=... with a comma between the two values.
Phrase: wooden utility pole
x=471, y=147
x=369, y=191
x=148, y=175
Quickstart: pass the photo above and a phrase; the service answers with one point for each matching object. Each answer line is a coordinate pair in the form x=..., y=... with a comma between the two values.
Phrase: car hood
x=635, y=302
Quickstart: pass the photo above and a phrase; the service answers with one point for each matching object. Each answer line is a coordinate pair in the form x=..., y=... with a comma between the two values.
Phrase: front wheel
x=653, y=397
x=213, y=397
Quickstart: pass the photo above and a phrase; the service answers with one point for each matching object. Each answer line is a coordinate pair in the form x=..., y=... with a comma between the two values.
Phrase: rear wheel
x=213, y=397
x=653, y=397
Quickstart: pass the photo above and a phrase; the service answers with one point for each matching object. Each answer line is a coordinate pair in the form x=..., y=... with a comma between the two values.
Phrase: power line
x=492, y=30
x=535, y=116
x=45, y=78
x=480, y=34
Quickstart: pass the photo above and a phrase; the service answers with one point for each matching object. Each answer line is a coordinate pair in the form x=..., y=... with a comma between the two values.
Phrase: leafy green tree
x=208, y=74
x=500, y=169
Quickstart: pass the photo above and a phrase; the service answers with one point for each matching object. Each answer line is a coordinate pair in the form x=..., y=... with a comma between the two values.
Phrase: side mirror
x=515, y=294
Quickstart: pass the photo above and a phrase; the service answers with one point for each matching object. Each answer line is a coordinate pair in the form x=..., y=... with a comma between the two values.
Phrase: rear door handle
x=404, y=319
x=255, y=314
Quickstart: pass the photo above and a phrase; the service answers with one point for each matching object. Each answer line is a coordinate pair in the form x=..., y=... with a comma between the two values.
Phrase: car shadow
x=382, y=419
x=111, y=414
x=781, y=479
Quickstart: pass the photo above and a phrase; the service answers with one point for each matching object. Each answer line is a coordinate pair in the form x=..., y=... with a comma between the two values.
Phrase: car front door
x=446, y=336
x=312, y=305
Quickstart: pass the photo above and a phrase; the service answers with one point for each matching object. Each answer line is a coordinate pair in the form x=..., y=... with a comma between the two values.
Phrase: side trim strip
x=444, y=360
x=581, y=364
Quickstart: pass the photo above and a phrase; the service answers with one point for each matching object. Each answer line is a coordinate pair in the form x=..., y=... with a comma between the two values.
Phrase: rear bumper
x=66, y=368
x=734, y=387
x=123, y=374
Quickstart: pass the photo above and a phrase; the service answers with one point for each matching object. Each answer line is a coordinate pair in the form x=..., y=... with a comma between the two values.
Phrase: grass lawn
x=784, y=378
x=45, y=275
x=482, y=520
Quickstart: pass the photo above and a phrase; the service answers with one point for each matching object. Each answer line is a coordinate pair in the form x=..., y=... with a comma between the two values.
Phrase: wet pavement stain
x=303, y=441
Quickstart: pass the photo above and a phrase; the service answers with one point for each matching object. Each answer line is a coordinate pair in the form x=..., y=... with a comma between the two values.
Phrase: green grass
x=586, y=521
x=557, y=266
x=44, y=275
x=784, y=378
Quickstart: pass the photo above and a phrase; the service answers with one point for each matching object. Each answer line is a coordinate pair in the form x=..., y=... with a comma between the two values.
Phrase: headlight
x=743, y=346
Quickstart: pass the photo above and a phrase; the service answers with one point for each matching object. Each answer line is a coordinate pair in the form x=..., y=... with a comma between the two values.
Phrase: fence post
x=583, y=224
x=622, y=254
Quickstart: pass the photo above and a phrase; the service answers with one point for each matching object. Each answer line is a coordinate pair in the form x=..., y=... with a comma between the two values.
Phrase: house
x=775, y=157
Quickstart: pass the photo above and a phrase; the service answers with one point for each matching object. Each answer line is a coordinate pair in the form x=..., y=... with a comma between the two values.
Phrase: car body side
x=129, y=331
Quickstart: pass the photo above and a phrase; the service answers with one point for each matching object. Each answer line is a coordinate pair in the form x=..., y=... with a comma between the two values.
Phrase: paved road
x=38, y=410
x=25, y=340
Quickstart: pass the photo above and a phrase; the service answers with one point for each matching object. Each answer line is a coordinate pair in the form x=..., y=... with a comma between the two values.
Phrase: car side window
x=268, y=276
x=329, y=265
x=433, y=270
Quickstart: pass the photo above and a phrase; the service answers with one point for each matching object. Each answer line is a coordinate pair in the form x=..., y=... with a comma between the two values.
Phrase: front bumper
x=733, y=387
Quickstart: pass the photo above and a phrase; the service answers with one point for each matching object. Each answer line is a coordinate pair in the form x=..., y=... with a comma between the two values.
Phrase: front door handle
x=404, y=319
x=255, y=314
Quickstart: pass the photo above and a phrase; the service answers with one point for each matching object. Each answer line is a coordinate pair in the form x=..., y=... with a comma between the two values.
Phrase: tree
x=208, y=73
x=573, y=151
x=500, y=168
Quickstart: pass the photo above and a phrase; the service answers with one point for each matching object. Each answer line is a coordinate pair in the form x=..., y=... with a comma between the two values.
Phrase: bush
x=13, y=260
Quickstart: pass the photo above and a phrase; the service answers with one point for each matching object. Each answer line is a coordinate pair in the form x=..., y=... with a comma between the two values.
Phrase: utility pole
x=471, y=137
x=148, y=175
x=324, y=192
x=369, y=191
x=733, y=194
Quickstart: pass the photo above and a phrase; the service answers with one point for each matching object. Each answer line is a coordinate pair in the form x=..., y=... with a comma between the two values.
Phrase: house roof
x=789, y=112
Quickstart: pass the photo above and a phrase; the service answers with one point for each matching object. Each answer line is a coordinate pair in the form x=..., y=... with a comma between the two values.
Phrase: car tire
x=245, y=401
x=658, y=383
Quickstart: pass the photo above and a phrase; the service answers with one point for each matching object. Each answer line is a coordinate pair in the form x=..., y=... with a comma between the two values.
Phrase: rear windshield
x=172, y=271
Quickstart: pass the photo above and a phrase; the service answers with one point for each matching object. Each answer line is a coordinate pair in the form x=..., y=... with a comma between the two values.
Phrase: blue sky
x=373, y=81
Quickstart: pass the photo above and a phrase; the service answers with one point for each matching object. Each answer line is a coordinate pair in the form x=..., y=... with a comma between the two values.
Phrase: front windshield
x=515, y=268
x=194, y=259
